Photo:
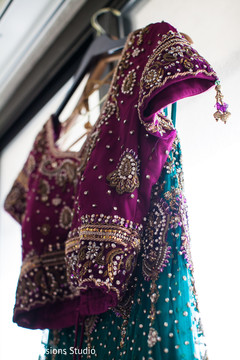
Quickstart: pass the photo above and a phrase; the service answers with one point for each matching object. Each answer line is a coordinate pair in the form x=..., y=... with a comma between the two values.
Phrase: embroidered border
x=102, y=255
x=172, y=58
x=42, y=280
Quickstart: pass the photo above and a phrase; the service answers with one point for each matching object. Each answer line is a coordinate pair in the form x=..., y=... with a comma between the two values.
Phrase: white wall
x=211, y=156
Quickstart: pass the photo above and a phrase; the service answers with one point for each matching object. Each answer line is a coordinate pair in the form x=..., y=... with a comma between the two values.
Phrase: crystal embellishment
x=125, y=178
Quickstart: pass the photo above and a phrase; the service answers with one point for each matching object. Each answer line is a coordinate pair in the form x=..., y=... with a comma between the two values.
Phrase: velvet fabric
x=90, y=206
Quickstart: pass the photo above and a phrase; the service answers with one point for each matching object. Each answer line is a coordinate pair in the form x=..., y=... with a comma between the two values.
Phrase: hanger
x=103, y=44
x=94, y=82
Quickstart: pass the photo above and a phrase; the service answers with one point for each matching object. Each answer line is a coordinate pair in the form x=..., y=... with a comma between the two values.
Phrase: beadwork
x=97, y=202
x=125, y=177
x=102, y=255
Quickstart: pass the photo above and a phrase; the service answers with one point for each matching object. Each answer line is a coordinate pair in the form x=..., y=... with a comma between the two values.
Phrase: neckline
x=51, y=139
x=51, y=133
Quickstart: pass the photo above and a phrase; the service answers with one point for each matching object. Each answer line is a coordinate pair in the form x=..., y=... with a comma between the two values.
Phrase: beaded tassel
x=221, y=113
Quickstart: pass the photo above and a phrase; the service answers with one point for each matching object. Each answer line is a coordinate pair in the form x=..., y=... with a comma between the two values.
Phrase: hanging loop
x=94, y=22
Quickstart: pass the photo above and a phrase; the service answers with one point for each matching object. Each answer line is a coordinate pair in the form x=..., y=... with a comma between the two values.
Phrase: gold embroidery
x=30, y=166
x=129, y=82
x=15, y=203
x=23, y=179
x=156, y=250
x=64, y=171
x=161, y=124
x=125, y=177
x=154, y=75
x=45, y=229
x=41, y=275
x=169, y=60
x=103, y=233
x=187, y=64
x=140, y=34
x=65, y=218
x=44, y=190
x=107, y=252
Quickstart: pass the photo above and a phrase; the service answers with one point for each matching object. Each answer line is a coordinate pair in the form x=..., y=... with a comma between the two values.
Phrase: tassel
x=221, y=113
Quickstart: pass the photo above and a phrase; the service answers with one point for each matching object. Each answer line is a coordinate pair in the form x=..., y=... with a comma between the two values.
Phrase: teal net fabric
x=163, y=322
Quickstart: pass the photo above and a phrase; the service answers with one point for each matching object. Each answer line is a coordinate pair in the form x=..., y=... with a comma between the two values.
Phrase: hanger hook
x=95, y=24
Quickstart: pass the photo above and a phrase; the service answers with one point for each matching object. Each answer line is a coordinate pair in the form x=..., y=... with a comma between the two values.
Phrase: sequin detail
x=102, y=255
x=156, y=250
x=125, y=177
x=65, y=218
x=42, y=279
x=129, y=82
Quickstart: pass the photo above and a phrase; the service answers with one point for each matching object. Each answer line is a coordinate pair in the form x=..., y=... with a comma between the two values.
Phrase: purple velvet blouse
x=92, y=204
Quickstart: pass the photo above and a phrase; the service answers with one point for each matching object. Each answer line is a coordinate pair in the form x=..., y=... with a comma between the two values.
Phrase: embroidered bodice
x=94, y=204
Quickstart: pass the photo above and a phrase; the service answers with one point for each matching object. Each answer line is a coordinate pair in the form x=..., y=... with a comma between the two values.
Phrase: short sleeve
x=15, y=202
x=174, y=70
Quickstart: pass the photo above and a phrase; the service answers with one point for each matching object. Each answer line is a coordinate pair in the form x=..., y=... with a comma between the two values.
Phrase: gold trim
x=175, y=39
x=49, y=259
x=103, y=233
x=22, y=179
x=37, y=303
x=98, y=284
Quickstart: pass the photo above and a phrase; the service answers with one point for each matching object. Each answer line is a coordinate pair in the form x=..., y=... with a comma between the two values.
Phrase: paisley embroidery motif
x=67, y=173
x=125, y=177
x=44, y=190
x=156, y=250
x=129, y=82
x=109, y=109
x=65, y=218
x=154, y=75
x=64, y=172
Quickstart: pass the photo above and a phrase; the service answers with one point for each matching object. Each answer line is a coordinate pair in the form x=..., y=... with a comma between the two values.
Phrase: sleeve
x=174, y=71
x=15, y=202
